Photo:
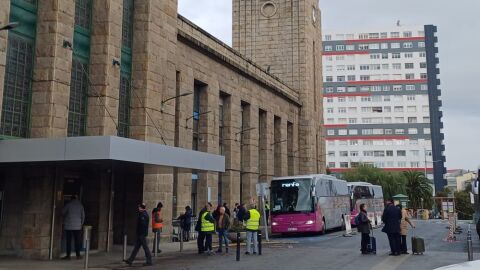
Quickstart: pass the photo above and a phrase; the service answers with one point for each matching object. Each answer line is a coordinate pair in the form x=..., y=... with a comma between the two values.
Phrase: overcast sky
x=459, y=45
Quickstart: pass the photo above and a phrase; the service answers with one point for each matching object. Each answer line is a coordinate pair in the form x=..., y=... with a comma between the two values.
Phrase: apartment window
x=364, y=67
x=421, y=44
x=352, y=99
x=354, y=142
x=340, y=68
x=341, y=99
x=329, y=100
x=378, y=153
x=329, y=58
x=412, y=131
x=328, y=68
x=342, y=132
x=330, y=120
x=342, y=120
x=340, y=78
x=340, y=57
x=375, y=55
x=415, y=164
x=354, y=153
x=340, y=47
x=352, y=120
x=415, y=153
x=407, y=34
x=342, y=143
x=409, y=76
x=366, y=99
x=423, y=65
x=328, y=48
x=425, y=108
x=331, y=132
x=363, y=47
x=423, y=75
x=426, y=119
x=340, y=89
x=408, y=55
x=353, y=132
x=410, y=98
x=364, y=78
x=424, y=87
x=331, y=153
x=394, y=34
x=329, y=79
x=412, y=120
x=329, y=110
x=386, y=88
x=399, y=120
x=410, y=87
x=350, y=47
x=376, y=98
x=331, y=143
x=343, y=153
x=401, y=153
x=384, y=55
x=402, y=164
x=387, y=109
x=366, y=109
x=389, y=153
x=352, y=89
x=378, y=142
x=366, y=120
x=328, y=37
x=395, y=45
x=342, y=110
x=386, y=98
x=397, y=88
x=377, y=131
x=351, y=78
x=388, y=131
x=368, y=153
x=411, y=109
x=367, y=131
x=396, y=56
x=397, y=66
x=377, y=109
x=408, y=45
x=343, y=164
x=331, y=164
x=422, y=54
x=367, y=142
x=329, y=89
x=426, y=131
x=399, y=131
x=408, y=65
x=384, y=46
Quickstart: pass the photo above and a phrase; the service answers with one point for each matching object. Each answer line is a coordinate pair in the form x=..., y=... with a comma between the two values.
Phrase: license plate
x=292, y=229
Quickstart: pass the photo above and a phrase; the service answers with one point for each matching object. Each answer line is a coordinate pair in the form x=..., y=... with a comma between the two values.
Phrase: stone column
x=208, y=133
x=154, y=71
x=231, y=177
x=158, y=187
x=250, y=154
x=4, y=14
x=106, y=41
x=53, y=63
x=266, y=148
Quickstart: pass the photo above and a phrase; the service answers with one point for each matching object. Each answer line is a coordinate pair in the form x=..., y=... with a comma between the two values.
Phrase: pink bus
x=309, y=203
x=371, y=196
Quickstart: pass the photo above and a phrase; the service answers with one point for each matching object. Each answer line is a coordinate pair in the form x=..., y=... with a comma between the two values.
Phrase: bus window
x=289, y=196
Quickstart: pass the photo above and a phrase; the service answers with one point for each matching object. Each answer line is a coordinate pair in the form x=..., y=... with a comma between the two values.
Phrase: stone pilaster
x=157, y=187
x=266, y=148
x=250, y=154
x=154, y=71
x=4, y=15
x=105, y=45
x=53, y=63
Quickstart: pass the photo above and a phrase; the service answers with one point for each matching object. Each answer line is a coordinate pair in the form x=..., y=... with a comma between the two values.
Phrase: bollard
x=155, y=244
x=181, y=239
x=87, y=250
x=124, y=247
x=238, y=246
x=469, y=244
x=259, y=236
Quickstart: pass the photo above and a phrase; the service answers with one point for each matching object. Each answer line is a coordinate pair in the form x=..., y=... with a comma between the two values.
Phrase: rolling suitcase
x=418, y=244
x=372, y=245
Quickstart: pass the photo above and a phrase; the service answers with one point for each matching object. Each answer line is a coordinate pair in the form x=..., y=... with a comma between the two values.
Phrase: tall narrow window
x=221, y=136
x=77, y=109
x=262, y=145
x=277, y=146
x=124, y=95
x=291, y=156
x=15, y=111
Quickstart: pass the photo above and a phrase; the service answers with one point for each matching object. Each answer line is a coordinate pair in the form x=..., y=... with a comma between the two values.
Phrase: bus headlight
x=274, y=223
x=309, y=222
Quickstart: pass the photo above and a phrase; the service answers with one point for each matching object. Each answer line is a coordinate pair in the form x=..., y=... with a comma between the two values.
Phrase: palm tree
x=418, y=189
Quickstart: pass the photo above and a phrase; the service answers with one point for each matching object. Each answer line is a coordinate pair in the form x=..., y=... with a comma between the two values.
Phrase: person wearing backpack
x=157, y=225
x=363, y=227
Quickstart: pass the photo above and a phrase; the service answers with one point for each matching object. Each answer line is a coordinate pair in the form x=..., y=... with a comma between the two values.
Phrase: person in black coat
x=391, y=217
x=143, y=221
x=186, y=223
x=364, y=228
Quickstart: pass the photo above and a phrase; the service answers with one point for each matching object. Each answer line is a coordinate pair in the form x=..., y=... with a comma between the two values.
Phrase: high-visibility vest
x=267, y=207
x=156, y=216
x=253, y=223
x=207, y=226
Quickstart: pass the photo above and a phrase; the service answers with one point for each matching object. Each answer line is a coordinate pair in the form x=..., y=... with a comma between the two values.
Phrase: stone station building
x=124, y=101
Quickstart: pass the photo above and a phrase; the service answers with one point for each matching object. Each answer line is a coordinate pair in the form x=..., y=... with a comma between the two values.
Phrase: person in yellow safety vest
x=157, y=225
x=252, y=217
x=267, y=211
x=206, y=228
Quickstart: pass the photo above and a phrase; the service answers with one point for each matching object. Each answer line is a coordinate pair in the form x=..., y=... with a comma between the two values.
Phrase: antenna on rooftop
x=398, y=23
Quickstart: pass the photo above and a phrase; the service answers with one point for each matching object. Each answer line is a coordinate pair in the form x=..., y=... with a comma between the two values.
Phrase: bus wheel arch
x=324, y=227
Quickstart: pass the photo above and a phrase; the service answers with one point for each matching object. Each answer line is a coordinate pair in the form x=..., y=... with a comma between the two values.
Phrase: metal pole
x=124, y=247
x=110, y=206
x=259, y=236
x=265, y=218
x=238, y=246
x=181, y=239
x=469, y=244
x=155, y=239
x=87, y=250
x=54, y=207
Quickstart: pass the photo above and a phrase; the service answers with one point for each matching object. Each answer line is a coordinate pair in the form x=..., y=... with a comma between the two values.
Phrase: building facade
x=124, y=101
x=457, y=180
x=381, y=101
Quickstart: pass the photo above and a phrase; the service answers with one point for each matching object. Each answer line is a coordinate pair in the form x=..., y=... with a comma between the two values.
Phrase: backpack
x=358, y=220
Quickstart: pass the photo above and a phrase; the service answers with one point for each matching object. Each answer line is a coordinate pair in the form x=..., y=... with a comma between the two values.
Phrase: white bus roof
x=361, y=184
x=324, y=176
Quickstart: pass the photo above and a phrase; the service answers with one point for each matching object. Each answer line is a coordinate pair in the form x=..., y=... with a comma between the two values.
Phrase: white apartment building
x=381, y=101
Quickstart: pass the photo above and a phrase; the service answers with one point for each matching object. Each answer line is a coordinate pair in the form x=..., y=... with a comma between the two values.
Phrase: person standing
x=227, y=210
x=241, y=212
x=252, y=217
x=205, y=227
x=157, y=225
x=404, y=229
x=186, y=223
x=267, y=211
x=391, y=218
x=235, y=212
x=141, y=232
x=222, y=224
x=73, y=220
x=364, y=227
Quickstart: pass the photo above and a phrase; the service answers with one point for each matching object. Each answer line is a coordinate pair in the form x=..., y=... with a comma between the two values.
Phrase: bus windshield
x=291, y=195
